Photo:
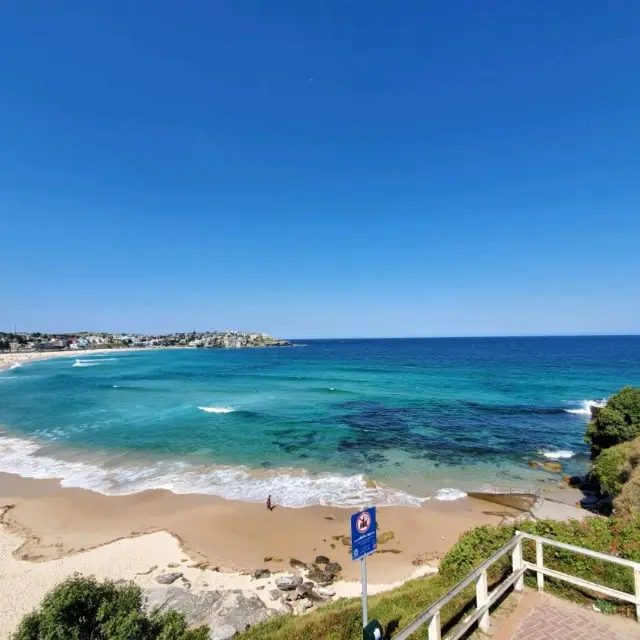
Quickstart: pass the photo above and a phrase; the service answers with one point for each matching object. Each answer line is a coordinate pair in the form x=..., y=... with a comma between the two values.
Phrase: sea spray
x=585, y=408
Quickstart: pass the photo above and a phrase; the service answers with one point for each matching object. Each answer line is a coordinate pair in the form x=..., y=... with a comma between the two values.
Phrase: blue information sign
x=364, y=535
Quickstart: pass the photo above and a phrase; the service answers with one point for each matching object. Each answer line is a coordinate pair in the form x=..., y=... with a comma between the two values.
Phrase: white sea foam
x=449, y=494
x=585, y=407
x=85, y=363
x=216, y=409
x=15, y=365
x=560, y=454
x=289, y=487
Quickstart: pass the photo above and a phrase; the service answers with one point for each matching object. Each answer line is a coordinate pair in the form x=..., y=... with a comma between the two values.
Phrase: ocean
x=318, y=423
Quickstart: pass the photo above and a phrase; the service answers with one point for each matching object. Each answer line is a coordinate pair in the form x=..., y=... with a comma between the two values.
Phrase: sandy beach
x=48, y=532
x=13, y=359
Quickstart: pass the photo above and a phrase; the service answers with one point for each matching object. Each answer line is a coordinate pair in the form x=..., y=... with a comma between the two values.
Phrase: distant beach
x=14, y=359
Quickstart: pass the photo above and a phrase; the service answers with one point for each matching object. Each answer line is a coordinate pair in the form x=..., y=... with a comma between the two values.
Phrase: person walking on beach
x=269, y=503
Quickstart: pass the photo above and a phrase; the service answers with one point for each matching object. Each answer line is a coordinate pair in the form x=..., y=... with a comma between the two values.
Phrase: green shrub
x=613, y=467
x=628, y=501
x=614, y=536
x=618, y=421
x=473, y=548
x=82, y=608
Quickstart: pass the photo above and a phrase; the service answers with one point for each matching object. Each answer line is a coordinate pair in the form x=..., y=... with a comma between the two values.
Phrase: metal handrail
x=433, y=612
x=529, y=491
x=485, y=599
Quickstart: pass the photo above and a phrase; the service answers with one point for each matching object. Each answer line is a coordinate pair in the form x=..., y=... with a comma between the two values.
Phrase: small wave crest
x=288, y=487
x=85, y=363
x=216, y=409
x=585, y=407
x=15, y=365
x=560, y=454
x=448, y=494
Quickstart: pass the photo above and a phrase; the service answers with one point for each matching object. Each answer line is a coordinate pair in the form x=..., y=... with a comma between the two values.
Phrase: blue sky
x=321, y=168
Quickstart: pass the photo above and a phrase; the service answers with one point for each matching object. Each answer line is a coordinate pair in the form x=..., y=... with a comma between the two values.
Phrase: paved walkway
x=543, y=617
x=559, y=511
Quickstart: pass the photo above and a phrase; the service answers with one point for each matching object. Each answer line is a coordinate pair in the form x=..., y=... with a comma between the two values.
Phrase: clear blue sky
x=321, y=168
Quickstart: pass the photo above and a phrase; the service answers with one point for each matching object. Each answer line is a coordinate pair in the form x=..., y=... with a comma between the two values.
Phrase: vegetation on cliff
x=614, y=466
x=618, y=421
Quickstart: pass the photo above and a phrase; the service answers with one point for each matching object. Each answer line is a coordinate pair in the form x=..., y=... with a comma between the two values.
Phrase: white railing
x=485, y=599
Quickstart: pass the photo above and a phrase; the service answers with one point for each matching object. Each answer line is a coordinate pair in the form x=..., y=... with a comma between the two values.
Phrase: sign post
x=364, y=542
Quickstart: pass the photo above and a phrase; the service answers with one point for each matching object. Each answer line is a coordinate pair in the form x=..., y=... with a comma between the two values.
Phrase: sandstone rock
x=303, y=591
x=260, y=573
x=224, y=632
x=168, y=578
x=553, y=467
x=320, y=576
x=322, y=560
x=327, y=592
x=370, y=484
x=288, y=582
x=285, y=609
x=534, y=464
x=333, y=567
x=214, y=608
x=303, y=605
x=298, y=564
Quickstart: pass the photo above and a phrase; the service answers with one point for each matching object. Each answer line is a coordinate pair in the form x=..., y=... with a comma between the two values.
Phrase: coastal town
x=34, y=342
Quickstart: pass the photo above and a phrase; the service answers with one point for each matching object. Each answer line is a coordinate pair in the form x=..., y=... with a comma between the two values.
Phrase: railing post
x=636, y=576
x=434, y=627
x=516, y=564
x=539, y=563
x=482, y=598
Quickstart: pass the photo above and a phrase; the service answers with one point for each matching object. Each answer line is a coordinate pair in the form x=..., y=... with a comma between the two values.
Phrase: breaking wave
x=585, y=407
x=85, y=363
x=449, y=494
x=288, y=487
x=216, y=409
x=561, y=454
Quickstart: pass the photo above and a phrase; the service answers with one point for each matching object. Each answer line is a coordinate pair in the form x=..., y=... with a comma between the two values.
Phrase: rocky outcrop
x=236, y=340
x=320, y=576
x=260, y=573
x=168, y=578
x=288, y=582
x=225, y=632
x=235, y=608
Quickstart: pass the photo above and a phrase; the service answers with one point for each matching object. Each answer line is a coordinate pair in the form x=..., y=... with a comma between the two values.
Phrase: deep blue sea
x=422, y=418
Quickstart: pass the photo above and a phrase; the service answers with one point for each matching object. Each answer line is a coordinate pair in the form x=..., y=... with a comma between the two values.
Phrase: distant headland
x=29, y=342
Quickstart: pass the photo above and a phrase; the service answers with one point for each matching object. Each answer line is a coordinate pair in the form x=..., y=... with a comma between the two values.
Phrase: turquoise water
x=422, y=418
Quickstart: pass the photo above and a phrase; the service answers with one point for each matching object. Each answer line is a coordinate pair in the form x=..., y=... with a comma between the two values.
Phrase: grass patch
x=342, y=620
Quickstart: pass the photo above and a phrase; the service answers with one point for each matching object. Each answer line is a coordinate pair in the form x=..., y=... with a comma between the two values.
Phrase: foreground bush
x=84, y=609
x=614, y=466
x=618, y=421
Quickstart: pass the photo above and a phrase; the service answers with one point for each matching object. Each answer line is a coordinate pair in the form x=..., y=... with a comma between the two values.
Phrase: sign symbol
x=364, y=522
